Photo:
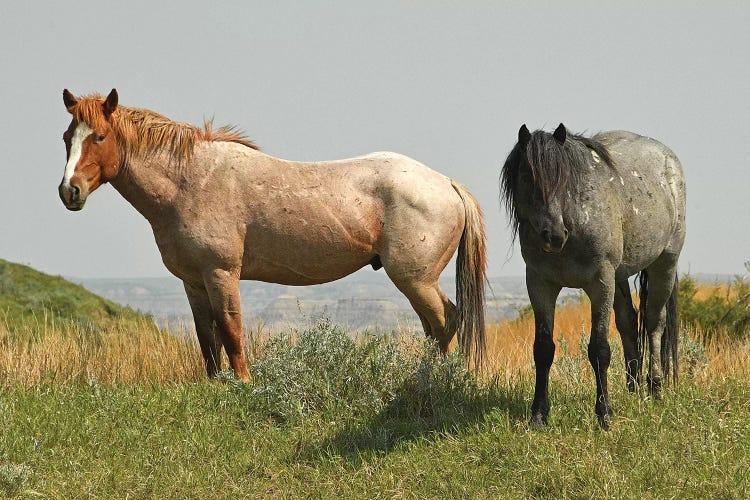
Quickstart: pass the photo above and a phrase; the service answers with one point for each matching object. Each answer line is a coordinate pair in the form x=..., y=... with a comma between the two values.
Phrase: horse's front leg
x=543, y=296
x=223, y=288
x=204, y=327
x=601, y=293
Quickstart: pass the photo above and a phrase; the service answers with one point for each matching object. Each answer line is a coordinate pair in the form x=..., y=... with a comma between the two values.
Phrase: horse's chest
x=187, y=251
x=565, y=273
x=574, y=267
x=168, y=240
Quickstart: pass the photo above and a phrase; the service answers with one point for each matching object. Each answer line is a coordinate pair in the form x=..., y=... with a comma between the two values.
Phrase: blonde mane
x=141, y=131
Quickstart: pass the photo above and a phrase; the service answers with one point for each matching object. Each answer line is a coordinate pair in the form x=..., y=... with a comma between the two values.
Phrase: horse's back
x=650, y=162
x=652, y=195
x=405, y=181
x=635, y=147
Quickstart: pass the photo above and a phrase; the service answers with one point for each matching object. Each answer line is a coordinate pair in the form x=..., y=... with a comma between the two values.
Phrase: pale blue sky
x=447, y=83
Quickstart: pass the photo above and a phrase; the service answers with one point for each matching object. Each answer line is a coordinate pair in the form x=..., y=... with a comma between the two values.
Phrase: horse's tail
x=471, y=275
x=670, y=336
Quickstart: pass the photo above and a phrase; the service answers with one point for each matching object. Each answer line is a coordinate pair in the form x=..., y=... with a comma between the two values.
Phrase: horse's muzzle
x=71, y=197
x=554, y=242
x=548, y=248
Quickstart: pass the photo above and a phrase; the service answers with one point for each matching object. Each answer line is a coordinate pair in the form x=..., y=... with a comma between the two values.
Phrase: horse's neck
x=149, y=184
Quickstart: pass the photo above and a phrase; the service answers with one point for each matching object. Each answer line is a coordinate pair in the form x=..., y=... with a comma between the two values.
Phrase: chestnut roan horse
x=222, y=211
x=591, y=212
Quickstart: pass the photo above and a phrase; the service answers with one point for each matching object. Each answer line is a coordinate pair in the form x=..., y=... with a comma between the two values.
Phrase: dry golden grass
x=132, y=353
x=125, y=353
x=128, y=352
x=510, y=345
x=720, y=289
x=726, y=357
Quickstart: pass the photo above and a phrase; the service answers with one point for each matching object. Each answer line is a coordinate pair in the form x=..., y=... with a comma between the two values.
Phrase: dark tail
x=668, y=354
x=471, y=275
x=671, y=334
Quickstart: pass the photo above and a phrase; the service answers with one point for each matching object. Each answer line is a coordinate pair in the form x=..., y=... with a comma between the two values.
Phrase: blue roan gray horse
x=590, y=213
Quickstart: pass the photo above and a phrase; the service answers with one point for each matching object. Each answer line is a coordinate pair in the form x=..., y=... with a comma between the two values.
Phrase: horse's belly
x=288, y=269
x=305, y=257
x=644, y=240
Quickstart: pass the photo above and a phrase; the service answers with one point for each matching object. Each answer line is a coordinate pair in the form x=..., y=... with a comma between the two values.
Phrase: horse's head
x=533, y=180
x=92, y=153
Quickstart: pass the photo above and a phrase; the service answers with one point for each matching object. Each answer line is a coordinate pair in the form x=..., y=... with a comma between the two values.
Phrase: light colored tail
x=471, y=275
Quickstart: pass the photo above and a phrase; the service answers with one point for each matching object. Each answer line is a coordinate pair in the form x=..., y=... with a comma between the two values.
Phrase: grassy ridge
x=29, y=296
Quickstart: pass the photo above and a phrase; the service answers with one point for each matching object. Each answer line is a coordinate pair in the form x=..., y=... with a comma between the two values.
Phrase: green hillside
x=27, y=294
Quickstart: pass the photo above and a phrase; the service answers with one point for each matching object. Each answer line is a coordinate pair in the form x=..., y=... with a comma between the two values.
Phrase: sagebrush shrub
x=13, y=477
x=326, y=371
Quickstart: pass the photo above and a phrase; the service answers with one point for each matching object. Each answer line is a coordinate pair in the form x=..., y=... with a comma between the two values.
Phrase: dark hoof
x=538, y=422
x=604, y=415
x=604, y=421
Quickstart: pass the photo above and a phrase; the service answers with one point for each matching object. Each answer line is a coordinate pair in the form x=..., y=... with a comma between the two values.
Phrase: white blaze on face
x=76, y=146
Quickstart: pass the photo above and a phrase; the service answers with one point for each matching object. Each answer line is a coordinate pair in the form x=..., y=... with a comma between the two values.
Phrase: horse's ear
x=560, y=134
x=110, y=104
x=69, y=100
x=524, y=136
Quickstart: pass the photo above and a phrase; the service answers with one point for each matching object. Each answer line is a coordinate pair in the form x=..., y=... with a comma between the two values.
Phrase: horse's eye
x=99, y=138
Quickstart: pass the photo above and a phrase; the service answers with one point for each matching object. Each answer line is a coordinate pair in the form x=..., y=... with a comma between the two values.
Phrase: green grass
x=29, y=298
x=325, y=416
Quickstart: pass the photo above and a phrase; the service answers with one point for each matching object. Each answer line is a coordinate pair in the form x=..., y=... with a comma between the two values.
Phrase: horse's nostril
x=76, y=193
x=546, y=235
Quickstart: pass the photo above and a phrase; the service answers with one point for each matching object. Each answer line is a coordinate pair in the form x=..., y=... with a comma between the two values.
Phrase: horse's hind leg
x=425, y=324
x=223, y=288
x=434, y=309
x=626, y=320
x=204, y=328
x=661, y=279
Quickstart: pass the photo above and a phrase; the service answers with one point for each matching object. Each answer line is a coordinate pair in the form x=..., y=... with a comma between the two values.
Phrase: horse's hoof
x=654, y=388
x=538, y=422
x=604, y=421
x=604, y=415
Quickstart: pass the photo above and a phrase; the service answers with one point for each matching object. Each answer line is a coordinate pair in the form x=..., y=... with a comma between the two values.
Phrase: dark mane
x=553, y=166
